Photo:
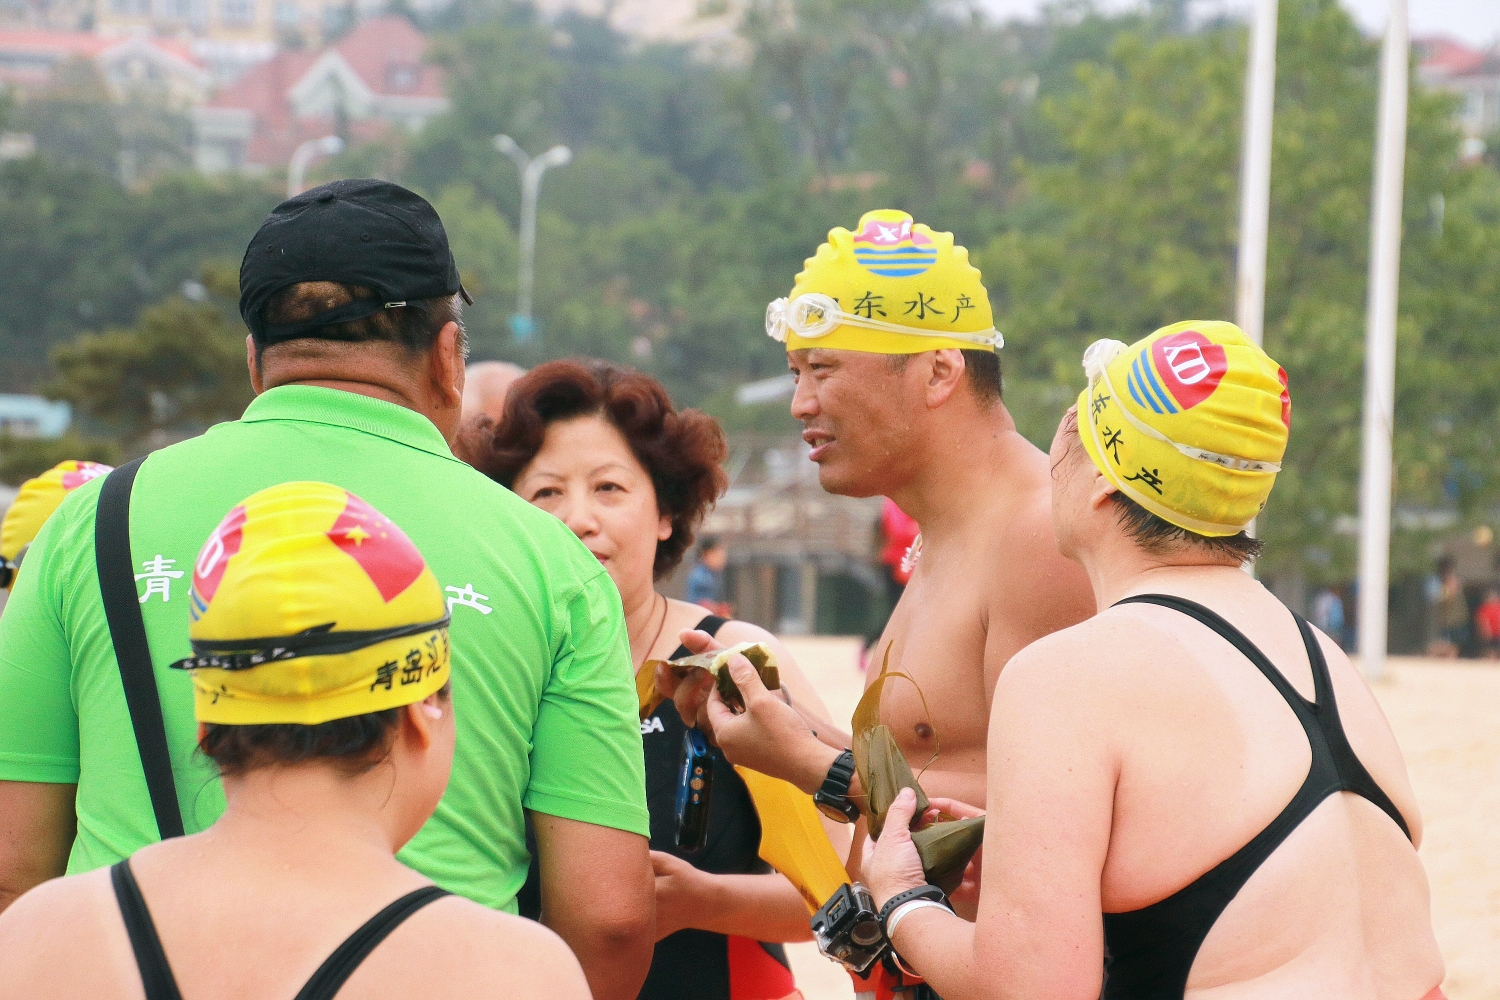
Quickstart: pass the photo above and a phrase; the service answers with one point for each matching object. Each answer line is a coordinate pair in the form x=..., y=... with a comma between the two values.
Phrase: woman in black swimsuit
x=295, y=891
x=603, y=449
x=1193, y=793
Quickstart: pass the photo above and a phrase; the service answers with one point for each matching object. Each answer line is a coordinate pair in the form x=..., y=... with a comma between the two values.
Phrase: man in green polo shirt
x=356, y=355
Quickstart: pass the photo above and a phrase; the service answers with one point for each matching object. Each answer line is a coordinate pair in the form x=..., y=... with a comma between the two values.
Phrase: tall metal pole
x=522, y=324
x=1255, y=173
x=1380, y=346
x=296, y=171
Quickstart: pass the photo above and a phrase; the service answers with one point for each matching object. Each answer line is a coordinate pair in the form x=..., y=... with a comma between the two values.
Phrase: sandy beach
x=1446, y=716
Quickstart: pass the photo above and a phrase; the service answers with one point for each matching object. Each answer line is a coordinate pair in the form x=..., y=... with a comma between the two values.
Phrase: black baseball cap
x=370, y=233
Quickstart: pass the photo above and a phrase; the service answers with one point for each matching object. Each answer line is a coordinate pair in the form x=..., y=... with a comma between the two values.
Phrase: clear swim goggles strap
x=816, y=315
x=1101, y=372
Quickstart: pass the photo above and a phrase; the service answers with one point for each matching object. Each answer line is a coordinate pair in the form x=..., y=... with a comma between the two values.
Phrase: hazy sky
x=1474, y=21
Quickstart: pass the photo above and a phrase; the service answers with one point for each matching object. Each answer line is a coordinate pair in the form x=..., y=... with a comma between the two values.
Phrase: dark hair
x=1160, y=537
x=414, y=326
x=354, y=745
x=709, y=543
x=981, y=373
x=683, y=452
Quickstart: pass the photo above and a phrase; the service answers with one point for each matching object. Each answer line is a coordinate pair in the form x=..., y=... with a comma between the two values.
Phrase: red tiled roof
x=63, y=43
x=385, y=52
x=383, y=44
x=1446, y=57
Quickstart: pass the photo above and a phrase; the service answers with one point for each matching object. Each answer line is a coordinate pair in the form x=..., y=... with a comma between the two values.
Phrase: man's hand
x=598, y=894
x=37, y=826
x=769, y=736
x=891, y=864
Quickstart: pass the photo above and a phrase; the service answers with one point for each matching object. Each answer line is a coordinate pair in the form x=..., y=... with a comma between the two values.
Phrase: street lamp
x=329, y=145
x=521, y=324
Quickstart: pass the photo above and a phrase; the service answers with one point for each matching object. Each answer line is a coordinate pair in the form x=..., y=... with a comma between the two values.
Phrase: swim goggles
x=817, y=315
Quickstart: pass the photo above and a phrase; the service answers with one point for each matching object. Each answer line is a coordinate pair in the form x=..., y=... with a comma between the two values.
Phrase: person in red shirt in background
x=1487, y=621
x=900, y=542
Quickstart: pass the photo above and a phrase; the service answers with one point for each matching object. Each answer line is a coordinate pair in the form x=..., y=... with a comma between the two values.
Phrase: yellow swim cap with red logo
x=1191, y=423
x=891, y=287
x=309, y=605
x=36, y=501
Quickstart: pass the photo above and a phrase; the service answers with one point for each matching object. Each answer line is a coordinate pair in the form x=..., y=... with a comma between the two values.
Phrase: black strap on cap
x=127, y=630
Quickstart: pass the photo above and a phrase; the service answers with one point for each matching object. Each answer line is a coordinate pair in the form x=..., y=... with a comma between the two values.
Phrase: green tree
x=1135, y=227
x=179, y=369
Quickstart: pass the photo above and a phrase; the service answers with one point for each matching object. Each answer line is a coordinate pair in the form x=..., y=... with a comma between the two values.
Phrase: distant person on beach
x=1328, y=614
x=705, y=582
x=603, y=448
x=1487, y=623
x=1193, y=793
x=1450, y=613
x=330, y=762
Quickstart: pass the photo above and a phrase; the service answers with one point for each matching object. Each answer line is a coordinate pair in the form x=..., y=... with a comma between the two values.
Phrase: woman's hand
x=891, y=864
x=680, y=891
x=689, y=689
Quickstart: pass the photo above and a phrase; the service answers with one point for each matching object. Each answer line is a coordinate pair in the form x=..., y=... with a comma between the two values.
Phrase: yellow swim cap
x=894, y=287
x=1191, y=423
x=310, y=605
x=35, y=502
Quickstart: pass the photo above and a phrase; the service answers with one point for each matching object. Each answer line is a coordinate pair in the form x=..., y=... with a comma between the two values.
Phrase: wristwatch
x=924, y=892
x=832, y=799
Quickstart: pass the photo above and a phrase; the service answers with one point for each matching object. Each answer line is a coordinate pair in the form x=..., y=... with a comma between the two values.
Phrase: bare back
x=1209, y=754
x=232, y=931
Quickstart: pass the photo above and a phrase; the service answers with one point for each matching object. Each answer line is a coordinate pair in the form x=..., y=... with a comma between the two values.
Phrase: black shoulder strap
x=127, y=630
x=711, y=624
x=708, y=623
x=338, y=967
x=156, y=972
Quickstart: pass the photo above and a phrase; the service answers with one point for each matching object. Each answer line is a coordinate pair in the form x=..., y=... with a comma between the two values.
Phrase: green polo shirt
x=542, y=686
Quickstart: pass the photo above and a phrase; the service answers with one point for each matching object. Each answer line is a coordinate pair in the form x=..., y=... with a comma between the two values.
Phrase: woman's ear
x=420, y=717
x=663, y=527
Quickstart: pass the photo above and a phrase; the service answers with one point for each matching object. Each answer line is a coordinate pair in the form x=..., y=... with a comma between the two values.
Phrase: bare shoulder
x=1097, y=656
x=39, y=933
x=1028, y=562
x=492, y=954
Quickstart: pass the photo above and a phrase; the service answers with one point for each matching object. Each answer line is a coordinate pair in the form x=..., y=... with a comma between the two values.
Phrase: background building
x=370, y=81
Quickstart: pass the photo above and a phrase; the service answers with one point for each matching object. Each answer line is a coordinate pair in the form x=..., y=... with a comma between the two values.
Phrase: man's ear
x=946, y=371
x=448, y=366
x=256, y=381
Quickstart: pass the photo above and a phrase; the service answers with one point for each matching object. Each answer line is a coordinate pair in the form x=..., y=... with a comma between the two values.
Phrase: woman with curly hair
x=603, y=448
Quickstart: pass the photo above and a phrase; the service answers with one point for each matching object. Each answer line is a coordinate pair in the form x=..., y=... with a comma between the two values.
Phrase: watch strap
x=928, y=892
x=840, y=774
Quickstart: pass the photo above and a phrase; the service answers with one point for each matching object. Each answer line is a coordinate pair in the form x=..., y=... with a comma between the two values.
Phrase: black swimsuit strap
x=156, y=972
x=150, y=959
x=710, y=624
x=338, y=967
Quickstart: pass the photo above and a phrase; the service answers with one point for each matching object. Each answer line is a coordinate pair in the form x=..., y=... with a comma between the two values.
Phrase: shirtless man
x=1193, y=782
x=890, y=337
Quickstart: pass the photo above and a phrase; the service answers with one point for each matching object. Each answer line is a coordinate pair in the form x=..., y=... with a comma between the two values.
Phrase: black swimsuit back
x=156, y=971
x=1149, y=952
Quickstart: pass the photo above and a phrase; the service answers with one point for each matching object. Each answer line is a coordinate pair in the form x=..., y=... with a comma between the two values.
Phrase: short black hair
x=981, y=372
x=414, y=326
x=1161, y=537
x=355, y=744
x=708, y=543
